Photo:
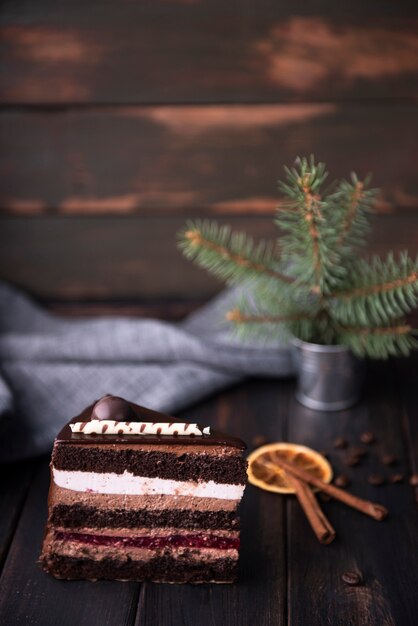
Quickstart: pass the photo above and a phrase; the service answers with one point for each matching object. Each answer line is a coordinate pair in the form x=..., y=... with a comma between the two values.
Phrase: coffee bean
x=354, y=579
x=389, y=459
x=342, y=481
x=340, y=443
x=367, y=437
x=413, y=481
x=352, y=460
x=324, y=496
x=259, y=440
x=397, y=478
x=376, y=480
x=358, y=451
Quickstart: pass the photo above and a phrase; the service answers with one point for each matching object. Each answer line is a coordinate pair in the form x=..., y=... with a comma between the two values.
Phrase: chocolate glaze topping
x=142, y=414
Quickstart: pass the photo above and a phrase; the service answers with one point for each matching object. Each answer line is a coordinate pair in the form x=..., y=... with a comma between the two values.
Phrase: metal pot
x=330, y=378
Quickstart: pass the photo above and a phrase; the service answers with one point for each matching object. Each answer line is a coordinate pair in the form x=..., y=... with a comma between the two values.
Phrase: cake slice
x=138, y=495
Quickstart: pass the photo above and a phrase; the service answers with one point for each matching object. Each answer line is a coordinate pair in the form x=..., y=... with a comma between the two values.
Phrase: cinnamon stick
x=322, y=528
x=377, y=511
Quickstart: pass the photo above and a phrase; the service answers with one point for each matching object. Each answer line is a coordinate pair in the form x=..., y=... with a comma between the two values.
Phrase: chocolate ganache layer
x=142, y=414
x=59, y=495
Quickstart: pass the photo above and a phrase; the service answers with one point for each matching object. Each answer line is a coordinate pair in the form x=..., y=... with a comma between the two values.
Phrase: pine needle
x=230, y=256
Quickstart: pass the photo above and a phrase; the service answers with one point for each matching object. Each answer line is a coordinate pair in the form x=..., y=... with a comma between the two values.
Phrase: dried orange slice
x=265, y=472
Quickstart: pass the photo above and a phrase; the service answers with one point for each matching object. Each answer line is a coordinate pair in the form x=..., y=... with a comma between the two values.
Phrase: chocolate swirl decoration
x=112, y=415
x=112, y=427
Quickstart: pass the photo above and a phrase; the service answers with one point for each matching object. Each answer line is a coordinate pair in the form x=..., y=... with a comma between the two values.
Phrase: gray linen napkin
x=51, y=367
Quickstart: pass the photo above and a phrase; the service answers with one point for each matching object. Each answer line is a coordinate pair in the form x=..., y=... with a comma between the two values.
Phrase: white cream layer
x=129, y=484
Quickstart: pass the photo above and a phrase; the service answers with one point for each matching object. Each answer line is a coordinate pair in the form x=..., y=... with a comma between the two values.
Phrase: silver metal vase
x=330, y=378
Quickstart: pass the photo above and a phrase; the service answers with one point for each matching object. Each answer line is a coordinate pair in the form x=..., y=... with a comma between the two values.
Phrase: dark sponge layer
x=196, y=467
x=159, y=569
x=78, y=516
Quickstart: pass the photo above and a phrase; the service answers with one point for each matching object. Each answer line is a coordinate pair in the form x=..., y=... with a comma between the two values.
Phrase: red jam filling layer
x=175, y=541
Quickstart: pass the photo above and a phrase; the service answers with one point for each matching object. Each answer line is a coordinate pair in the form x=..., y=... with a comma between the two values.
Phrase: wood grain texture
x=286, y=576
x=206, y=51
x=406, y=377
x=29, y=596
x=15, y=479
x=133, y=258
x=165, y=160
x=174, y=310
x=380, y=552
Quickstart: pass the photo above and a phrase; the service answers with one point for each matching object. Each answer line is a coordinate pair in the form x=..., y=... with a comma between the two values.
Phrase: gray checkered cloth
x=52, y=367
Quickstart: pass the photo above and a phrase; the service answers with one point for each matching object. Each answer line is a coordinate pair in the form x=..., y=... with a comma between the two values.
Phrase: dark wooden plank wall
x=119, y=119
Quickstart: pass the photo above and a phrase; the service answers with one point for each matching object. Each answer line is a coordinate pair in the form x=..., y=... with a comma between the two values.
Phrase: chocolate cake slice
x=138, y=495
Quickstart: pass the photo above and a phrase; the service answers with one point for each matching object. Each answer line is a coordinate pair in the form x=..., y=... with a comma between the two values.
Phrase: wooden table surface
x=286, y=576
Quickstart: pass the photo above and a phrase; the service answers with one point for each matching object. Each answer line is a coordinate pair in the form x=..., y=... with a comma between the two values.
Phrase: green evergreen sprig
x=377, y=291
x=352, y=204
x=232, y=257
x=310, y=284
x=309, y=240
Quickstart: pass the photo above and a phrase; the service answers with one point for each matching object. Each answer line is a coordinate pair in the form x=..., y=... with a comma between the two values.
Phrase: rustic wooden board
x=29, y=596
x=130, y=257
x=381, y=552
x=206, y=51
x=15, y=480
x=406, y=370
x=286, y=576
x=181, y=159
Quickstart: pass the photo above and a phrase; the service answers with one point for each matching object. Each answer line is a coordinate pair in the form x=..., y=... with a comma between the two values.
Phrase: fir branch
x=379, y=291
x=313, y=213
x=309, y=239
x=353, y=203
x=379, y=342
x=238, y=317
x=401, y=329
x=393, y=285
x=230, y=256
x=196, y=239
x=270, y=317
